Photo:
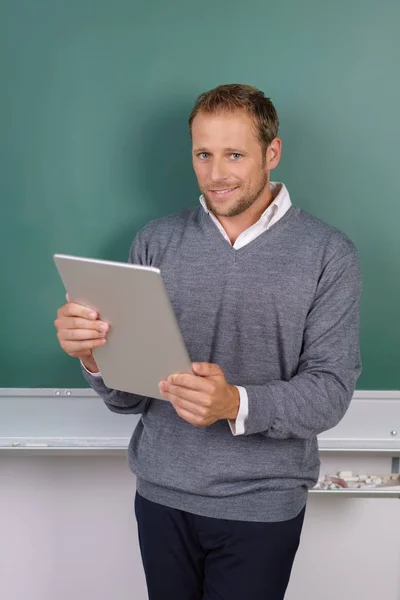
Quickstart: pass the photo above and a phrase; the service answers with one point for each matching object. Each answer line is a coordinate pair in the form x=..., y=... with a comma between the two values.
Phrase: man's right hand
x=79, y=331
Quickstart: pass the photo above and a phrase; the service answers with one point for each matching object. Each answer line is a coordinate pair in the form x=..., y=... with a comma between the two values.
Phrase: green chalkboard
x=94, y=142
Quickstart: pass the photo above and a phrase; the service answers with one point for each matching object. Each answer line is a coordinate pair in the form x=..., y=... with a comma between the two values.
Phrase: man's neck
x=234, y=226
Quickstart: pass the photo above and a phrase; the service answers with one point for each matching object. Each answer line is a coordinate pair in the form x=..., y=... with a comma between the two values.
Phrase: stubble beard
x=241, y=204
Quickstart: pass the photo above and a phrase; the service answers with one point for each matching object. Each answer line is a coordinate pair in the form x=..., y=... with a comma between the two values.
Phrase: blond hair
x=234, y=96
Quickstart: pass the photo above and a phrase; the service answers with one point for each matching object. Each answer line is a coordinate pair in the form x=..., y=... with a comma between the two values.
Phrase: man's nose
x=218, y=171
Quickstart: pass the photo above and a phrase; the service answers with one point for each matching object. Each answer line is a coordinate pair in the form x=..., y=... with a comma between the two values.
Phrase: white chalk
x=343, y=474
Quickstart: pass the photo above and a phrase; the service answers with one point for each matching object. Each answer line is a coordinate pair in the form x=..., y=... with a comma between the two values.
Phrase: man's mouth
x=223, y=193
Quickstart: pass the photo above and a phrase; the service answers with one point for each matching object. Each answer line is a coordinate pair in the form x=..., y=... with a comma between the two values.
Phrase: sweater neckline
x=218, y=239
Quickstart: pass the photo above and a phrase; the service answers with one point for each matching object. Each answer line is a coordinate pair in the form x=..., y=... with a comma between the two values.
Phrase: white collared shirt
x=275, y=211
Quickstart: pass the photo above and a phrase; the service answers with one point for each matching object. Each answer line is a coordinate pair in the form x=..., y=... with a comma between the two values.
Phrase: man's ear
x=274, y=152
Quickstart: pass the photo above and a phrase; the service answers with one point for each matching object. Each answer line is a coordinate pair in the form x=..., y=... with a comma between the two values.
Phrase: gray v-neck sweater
x=281, y=317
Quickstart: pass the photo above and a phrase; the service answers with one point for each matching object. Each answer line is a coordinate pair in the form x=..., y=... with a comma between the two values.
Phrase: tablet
x=144, y=344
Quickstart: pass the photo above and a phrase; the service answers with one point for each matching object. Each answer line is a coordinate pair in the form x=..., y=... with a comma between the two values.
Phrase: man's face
x=228, y=160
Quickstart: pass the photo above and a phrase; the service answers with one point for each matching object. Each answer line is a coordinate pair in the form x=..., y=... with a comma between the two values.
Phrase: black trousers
x=189, y=557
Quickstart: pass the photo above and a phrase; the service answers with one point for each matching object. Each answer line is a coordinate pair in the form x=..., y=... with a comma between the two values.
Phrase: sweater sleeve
x=317, y=397
x=116, y=400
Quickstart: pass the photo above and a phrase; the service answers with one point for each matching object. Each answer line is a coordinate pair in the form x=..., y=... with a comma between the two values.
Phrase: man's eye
x=236, y=155
x=203, y=155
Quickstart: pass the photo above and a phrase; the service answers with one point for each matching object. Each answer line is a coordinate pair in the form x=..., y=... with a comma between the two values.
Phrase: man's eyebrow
x=238, y=150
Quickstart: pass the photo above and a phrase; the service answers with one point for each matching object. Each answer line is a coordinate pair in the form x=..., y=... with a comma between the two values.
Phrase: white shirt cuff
x=90, y=373
x=237, y=426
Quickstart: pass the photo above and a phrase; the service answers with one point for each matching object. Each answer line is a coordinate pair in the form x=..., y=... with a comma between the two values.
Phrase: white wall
x=67, y=530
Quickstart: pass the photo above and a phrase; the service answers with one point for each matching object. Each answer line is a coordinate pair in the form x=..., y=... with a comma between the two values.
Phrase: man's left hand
x=202, y=398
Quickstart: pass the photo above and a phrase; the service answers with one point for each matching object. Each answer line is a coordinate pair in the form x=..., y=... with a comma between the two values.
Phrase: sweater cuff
x=238, y=426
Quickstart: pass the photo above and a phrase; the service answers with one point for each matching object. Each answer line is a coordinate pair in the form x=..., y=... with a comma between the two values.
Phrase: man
x=267, y=298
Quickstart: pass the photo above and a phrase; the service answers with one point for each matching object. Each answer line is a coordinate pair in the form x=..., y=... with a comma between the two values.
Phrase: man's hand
x=79, y=331
x=203, y=398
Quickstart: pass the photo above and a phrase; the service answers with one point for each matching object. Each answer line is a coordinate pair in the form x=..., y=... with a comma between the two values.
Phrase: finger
x=188, y=396
x=191, y=400
x=191, y=418
x=180, y=404
x=72, y=309
x=193, y=409
x=191, y=382
x=80, y=334
x=67, y=297
x=207, y=369
x=80, y=323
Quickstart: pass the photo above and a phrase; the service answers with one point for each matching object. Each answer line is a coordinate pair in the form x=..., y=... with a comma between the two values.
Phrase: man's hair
x=234, y=96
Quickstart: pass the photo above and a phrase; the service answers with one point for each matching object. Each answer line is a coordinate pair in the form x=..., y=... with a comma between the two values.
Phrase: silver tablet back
x=144, y=343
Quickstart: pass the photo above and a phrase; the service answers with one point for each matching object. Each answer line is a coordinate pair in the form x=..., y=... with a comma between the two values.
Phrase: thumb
x=207, y=369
